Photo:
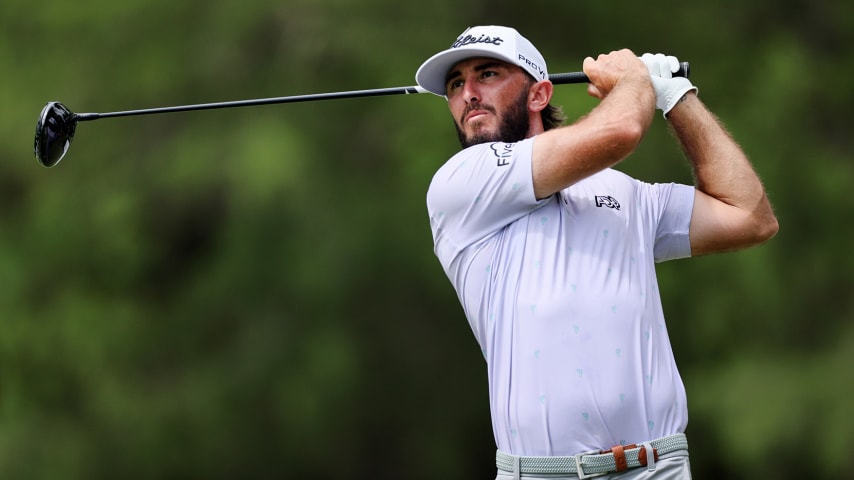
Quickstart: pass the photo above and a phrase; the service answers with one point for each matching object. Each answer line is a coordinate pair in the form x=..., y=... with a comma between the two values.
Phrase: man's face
x=489, y=101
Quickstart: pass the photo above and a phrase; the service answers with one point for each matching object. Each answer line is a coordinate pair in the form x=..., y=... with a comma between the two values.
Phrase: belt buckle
x=580, y=471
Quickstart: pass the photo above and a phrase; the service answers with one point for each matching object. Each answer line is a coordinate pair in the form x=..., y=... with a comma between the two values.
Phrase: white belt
x=595, y=463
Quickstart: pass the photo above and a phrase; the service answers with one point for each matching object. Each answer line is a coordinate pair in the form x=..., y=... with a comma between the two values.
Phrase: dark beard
x=513, y=126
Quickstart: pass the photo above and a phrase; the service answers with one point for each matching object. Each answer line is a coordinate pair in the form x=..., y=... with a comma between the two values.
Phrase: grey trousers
x=673, y=466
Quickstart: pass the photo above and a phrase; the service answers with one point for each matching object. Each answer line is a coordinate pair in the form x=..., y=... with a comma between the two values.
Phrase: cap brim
x=432, y=74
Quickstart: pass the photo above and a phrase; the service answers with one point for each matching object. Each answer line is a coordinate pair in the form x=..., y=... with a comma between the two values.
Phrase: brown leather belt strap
x=620, y=458
x=619, y=452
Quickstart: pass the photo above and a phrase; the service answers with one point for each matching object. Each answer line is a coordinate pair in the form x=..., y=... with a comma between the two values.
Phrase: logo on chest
x=607, y=201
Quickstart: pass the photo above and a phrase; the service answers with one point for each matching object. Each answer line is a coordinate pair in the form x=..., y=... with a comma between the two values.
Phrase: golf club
x=56, y=124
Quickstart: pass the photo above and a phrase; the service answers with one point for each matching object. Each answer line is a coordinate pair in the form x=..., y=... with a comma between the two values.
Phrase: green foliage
x=252, y=293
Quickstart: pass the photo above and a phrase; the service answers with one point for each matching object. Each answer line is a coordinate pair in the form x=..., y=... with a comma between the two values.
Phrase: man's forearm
x=722, y=171
x=600, y=139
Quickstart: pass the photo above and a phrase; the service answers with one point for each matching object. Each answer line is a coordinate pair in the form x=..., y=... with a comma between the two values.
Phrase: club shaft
x=557, y=79
x=82, y=117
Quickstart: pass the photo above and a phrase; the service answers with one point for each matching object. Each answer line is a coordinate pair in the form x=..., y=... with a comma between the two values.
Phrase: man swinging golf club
x=552, y=252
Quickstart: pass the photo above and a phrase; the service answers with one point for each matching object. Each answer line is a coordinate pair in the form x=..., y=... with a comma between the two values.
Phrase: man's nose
x=471, y=94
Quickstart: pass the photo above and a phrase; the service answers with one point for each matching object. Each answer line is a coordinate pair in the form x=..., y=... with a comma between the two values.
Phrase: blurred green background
x=252, y=293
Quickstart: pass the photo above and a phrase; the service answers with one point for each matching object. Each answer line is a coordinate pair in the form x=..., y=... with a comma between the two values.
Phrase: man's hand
x=607, y=70
x=668, y=89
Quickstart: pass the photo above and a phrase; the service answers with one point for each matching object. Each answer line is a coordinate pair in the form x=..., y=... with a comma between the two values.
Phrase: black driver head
x=54, y=132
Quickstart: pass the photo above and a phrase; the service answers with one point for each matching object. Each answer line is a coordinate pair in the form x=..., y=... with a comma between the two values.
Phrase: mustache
x=475, y=106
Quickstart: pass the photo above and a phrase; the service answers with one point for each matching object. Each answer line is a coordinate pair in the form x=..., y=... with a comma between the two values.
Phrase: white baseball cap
x=503, y=43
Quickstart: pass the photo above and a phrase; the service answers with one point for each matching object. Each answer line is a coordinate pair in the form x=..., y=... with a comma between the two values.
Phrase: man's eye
x=455, y=84
x=489, y=73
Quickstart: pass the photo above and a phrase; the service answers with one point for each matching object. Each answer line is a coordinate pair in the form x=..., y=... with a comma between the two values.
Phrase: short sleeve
x=676, y=202
x=478, y=192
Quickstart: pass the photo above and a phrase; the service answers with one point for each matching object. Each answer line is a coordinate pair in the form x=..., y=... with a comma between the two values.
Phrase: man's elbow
x=758, y=225
x=768, y=229
x=764, y=228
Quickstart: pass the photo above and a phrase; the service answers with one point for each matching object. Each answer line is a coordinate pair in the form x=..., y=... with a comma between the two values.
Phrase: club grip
x=580, y=77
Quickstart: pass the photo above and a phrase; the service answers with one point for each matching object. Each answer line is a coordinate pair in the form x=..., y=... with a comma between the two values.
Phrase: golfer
x=552, y=252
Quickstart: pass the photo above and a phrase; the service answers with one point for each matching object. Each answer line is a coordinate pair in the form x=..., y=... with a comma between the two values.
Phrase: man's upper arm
x=719, y=227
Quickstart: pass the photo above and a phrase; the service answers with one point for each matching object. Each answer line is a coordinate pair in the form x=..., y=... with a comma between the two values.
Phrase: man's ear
x=540, y=95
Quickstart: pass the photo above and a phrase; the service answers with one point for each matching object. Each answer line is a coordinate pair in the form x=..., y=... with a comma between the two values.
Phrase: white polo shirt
x=562, y=297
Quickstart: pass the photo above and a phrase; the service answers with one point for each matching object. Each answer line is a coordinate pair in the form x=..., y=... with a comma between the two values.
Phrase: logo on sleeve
x=607, y=201
x=503, y=152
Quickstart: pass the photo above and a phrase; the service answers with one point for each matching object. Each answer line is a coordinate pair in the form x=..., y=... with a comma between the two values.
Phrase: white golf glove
x=668, y=89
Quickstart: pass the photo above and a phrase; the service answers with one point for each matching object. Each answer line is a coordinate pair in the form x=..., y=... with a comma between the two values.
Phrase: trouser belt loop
x=650, y=456
x=517, y=468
